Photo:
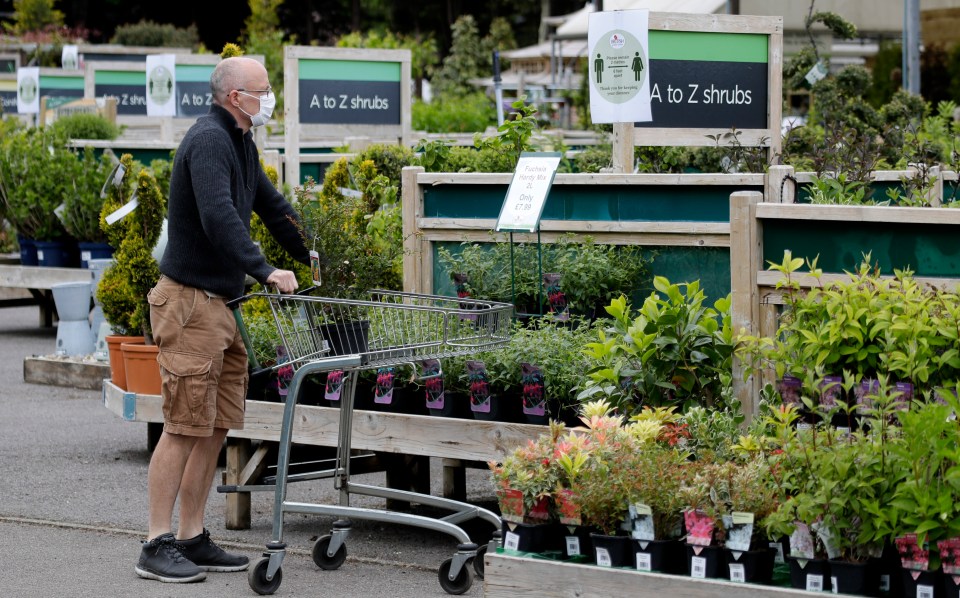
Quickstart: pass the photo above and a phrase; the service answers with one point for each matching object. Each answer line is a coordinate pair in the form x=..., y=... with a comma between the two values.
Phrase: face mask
x=267, y=104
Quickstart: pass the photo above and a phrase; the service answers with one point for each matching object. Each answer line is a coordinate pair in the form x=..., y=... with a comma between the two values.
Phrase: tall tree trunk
x=544, y=14
x=355, y=21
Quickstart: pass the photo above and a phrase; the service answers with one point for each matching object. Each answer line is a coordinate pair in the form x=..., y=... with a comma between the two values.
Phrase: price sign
x=737, y=573
x=528, y=191
x=644, y=561
x=573, y=545
x=603, y=558
x=814, y=583
x=511, y=541
x=698, y=567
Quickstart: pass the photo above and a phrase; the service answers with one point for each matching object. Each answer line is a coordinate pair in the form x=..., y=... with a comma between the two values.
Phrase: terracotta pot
x=142, y=369
x=118, y=374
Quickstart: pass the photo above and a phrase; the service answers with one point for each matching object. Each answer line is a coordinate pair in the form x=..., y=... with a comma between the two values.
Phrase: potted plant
x=525, y=481
x=123, y=289
x=82, y=206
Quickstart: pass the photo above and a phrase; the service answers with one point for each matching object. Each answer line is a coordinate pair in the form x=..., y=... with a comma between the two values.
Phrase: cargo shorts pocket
x=189, y=398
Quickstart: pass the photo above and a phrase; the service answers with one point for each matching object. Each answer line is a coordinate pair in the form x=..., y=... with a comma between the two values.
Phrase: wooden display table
x=456, y=441
x=507, y=576
x=39, y=281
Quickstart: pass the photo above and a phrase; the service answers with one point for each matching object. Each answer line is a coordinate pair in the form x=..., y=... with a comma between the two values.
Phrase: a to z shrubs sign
x=349, y=92
x=708, y=80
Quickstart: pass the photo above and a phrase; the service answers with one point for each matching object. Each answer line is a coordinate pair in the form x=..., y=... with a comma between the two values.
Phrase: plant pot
x=662, y=556
x=752, y=566
x=58, y=254
x=922, y=584
x=454, y=405
x=28, y=251
x=524, y=537
x=811, y=575
x=889, y=580
x=577, y=542
x=951, y=585
x=403, y=400
x=612, y=551
x=142, y=368
x=118, y=373
x=93, y=251
x=346, y=338
x=853, y=578
x=496, y=408
x=72, y=300
x=707, y=562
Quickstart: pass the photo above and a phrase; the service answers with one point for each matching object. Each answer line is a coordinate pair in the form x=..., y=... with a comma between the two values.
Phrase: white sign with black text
x=528, y=191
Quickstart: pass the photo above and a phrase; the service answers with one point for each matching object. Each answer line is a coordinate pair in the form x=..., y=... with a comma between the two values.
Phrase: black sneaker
x=210, y=557
x=162, y=559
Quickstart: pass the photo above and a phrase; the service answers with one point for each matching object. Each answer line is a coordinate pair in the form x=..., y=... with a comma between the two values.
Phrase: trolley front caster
x=257, y=577
x=459, y=584
x=323, y=558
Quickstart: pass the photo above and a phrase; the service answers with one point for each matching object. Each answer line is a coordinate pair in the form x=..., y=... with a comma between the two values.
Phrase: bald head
x=238, y=72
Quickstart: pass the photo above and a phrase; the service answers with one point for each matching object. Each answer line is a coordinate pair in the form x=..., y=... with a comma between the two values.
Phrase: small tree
x=33, y=15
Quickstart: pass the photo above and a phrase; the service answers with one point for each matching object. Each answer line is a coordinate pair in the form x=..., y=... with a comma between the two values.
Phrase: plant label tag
x=383, y=393
x=123, y=210
x=643, y=561
x=924, y=591
x=804, y=426
x=555, y=297
x=511, y=541
x=534, y=392
x=778, y=557
x=603, y=558
x=814, y=583
x=479, y=386
x=698, y=567
x=315, y=268
x=834, y=585
x=737, y=573
x=884, y=583
x=818, y=72
x=334, y=386
x=432, y=376
x=573, y=546
x=641, y=520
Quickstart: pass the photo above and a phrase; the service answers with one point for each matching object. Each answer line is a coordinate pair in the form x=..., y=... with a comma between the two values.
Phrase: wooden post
x=623, y=147
x=780, y=185
x=410, y=212
x=454, y=479
x=745, y=259
x=935, y=193
x=405, y=472
x=238, y=503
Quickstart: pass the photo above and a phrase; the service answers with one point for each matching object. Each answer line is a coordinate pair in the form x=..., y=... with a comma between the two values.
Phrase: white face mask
x=267, y=103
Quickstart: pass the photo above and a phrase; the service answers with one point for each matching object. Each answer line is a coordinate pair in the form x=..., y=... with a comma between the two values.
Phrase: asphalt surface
x=73, y=504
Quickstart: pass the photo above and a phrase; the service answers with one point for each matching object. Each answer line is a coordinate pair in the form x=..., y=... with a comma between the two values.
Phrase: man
x=216, y=183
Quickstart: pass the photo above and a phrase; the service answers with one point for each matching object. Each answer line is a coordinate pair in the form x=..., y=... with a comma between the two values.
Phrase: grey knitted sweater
x=216, y=184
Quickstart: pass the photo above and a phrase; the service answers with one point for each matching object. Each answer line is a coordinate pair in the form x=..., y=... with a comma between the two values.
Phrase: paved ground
x=73, y=504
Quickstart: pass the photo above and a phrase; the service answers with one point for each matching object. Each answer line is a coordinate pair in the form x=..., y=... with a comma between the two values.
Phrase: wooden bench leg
x=454, y=479
x=238, y=503
x=406, y=472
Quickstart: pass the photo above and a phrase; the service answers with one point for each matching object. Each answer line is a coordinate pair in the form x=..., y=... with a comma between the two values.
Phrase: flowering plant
x=526, y=479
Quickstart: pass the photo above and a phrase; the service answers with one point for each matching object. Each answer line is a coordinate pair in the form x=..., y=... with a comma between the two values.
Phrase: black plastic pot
x=854, y=578
x=662, y=556
x=454, y=405
x=810, y=574
x=523, y=537
x=346, y=338
x=613, y=551
x=707, y=562
x=577, y=542
x=922, y=584
x=502, y=409
x=752, y=566
x=951, y=585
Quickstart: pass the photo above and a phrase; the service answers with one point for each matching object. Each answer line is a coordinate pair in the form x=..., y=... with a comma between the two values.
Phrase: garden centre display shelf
x=509, y=576
x=456, y=441
x=39, y=281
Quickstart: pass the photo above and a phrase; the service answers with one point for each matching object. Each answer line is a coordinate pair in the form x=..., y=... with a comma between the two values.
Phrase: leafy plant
x=82, y=203
x=674, y=351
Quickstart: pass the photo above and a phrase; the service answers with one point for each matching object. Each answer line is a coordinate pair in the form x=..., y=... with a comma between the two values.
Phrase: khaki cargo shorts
x=203, y=361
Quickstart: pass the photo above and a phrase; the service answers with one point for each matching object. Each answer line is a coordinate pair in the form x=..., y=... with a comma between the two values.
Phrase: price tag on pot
x=924, y=591
x=123, y=210
x=511, y=541
x=315, y=268
x=885, y=583
x=815, y=583
x=737, y=573
x=334, y=385
x=698, y=567
x=778, y=557
x=603, y=558
x=643, y=561
x=573, y=546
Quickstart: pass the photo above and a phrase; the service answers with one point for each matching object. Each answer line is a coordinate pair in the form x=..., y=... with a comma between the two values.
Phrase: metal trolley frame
x=392, y=328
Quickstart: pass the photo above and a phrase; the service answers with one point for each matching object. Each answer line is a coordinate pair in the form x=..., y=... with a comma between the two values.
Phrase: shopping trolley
x=391, y=328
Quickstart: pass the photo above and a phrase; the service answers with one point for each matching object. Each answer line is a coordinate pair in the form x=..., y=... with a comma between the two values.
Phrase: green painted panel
x=657, y=203
x=194, y=72
x=58, y=82
x=879, y=188
x=144, y=156
x=120, y=78
x=709, y=265
x=927, y=249
x=349, y=70
x=709, y=46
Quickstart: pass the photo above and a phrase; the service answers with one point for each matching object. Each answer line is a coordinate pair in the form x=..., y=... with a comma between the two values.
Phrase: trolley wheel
x=456, y=586
x=325, y=562
x=478, y=561
x=257, y=577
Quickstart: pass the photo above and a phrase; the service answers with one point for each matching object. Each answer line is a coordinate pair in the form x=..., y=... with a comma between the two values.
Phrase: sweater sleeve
x=280, y=218
x=210, y=170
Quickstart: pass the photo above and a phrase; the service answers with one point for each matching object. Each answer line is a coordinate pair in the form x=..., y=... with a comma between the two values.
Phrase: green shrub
x=462, y=114
x=150, y=34
x=87, y=126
